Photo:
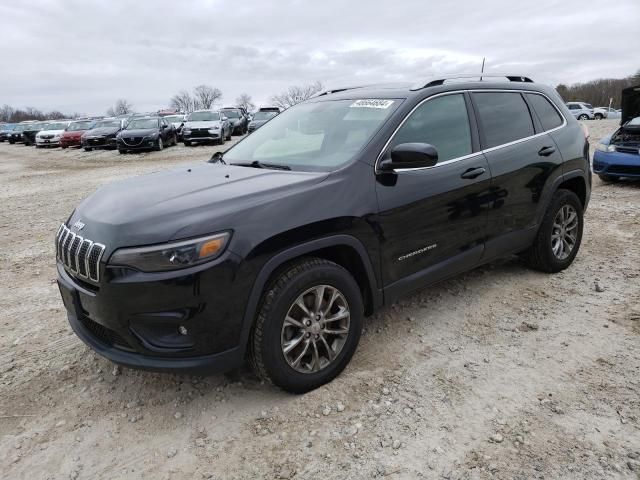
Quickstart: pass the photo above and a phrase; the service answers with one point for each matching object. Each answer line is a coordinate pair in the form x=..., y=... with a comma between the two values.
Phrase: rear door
x=434, y=219
x=522, y=158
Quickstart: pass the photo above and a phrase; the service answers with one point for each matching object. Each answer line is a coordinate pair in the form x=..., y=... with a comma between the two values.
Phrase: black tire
x=265, y=349
x=87, y=149
x=221, y=139
x=540, y=256
x=229, y=134
x=12, y=142
x=159, y=145
x=63, y=147
x=599, y=116
x=609, y=178
x=187, y=143
x=583, y=117
x=122, y=151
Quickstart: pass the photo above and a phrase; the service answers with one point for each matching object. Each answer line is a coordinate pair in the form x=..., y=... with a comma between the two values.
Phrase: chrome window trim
x=479, y=152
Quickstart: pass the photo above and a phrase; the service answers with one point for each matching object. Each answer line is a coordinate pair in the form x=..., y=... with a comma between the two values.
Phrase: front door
x=433, y=220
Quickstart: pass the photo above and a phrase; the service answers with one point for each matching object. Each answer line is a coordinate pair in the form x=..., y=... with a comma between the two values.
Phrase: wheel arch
x=344, y=250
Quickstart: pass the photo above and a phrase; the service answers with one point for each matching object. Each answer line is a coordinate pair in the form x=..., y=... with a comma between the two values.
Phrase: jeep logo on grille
x=78, y=225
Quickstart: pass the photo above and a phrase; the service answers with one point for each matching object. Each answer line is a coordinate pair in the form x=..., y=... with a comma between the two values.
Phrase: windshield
x=77, y=126
x=203, y=117
x=19, y=128
x=318, y=136
x=142, y=124
x=107, y=124
x=55, y=126
x=7, y=127
x=263, y=116
x=231, y=113
x=174, y=118
x=588, y=105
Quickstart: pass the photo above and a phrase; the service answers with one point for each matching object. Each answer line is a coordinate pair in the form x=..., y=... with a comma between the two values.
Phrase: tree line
x=598, y=92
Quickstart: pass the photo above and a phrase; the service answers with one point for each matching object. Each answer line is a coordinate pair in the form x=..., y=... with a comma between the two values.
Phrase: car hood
x=50, y=132
x=101, y=131
x=211, y=124
x=74, y=133
x=258, y=123
x=630, y=104
x=141, y=132
x=185, y=202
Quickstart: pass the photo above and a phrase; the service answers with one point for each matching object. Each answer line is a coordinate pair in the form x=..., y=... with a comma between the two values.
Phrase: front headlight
x=605, y=148
x=172, y=256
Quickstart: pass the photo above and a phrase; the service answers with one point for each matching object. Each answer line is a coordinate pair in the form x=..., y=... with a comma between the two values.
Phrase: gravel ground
x=499, y=373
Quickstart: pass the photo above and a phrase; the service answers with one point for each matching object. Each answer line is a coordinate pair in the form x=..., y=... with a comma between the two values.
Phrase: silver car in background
x=606, y=112
x=581, y=110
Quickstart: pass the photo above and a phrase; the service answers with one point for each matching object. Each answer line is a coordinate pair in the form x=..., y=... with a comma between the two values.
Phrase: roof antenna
x=482, y=69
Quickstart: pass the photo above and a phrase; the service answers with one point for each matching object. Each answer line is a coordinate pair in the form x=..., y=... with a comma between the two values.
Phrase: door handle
x=546, y=151
x=473, y=173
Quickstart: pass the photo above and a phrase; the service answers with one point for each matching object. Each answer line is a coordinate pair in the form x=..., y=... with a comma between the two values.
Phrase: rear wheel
x=583, y=117
x=560, y=234
x=308, y=325
x=599, y=116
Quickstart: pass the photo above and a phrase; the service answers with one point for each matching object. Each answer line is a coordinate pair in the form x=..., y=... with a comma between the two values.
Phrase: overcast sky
x=80, y=56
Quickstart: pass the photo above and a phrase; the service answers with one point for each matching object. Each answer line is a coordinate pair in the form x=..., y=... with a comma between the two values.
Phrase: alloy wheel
x=564, y=232
x=315, y=329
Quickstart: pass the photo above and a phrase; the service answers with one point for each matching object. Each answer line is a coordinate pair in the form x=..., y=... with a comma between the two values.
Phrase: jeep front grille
x=79, y=255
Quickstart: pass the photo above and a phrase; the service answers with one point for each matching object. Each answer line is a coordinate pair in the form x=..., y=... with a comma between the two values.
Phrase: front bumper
x=70, y=142
x=133, y=318
x=144, y=144
x=99, y=142
x=47, y=142
x=201, y=137
x=616, y=164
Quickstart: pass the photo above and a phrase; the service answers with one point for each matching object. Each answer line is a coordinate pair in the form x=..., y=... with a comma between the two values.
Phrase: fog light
x=182, y=330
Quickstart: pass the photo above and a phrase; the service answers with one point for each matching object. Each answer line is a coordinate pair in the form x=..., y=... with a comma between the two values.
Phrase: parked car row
x=138, y=132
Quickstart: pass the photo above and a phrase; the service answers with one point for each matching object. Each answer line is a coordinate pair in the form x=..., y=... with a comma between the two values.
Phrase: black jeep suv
x=278, y=248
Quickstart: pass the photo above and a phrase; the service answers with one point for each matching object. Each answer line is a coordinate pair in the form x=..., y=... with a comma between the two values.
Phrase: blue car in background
x=618, y=155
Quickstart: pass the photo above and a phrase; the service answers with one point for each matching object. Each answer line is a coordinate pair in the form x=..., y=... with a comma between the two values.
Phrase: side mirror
x=410, y=155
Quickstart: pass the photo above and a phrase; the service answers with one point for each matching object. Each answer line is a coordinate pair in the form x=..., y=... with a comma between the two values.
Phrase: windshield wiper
x=259, y=164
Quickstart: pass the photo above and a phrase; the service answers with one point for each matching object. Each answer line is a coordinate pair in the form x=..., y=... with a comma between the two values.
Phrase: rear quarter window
x=546, y=112
x=504, y=117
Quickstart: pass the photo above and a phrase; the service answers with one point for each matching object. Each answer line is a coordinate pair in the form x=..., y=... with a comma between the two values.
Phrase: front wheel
x=583, y=117
x=87, y=149
x=187, y=143
x=159, y=144
x=308, y=326
x=560, y=234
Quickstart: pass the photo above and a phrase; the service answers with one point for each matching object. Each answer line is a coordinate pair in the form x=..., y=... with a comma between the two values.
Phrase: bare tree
x=296, y=94
x=206, y=96
x=6, y=112
x=183, y=102
x=122, y=107
x=245, y=101
x=598, y=92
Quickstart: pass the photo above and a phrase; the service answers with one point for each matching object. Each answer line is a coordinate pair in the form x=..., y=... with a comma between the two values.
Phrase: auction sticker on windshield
x=372, y=103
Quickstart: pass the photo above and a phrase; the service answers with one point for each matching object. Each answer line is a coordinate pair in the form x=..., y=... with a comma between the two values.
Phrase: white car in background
x=50, y=134
x=581, y=110
x=606, y=112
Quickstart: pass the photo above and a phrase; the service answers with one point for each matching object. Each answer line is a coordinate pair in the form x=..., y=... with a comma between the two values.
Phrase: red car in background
x=73, y=133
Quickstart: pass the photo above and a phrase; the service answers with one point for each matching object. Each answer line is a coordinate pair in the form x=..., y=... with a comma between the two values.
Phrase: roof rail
x=432, y=82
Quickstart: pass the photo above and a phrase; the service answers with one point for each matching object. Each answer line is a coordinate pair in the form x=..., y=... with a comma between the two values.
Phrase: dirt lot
x=500, y=373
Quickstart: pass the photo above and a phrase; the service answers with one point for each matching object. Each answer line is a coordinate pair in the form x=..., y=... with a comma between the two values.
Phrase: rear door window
x=443, y=122
x=547, y=113
x=504, y=117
